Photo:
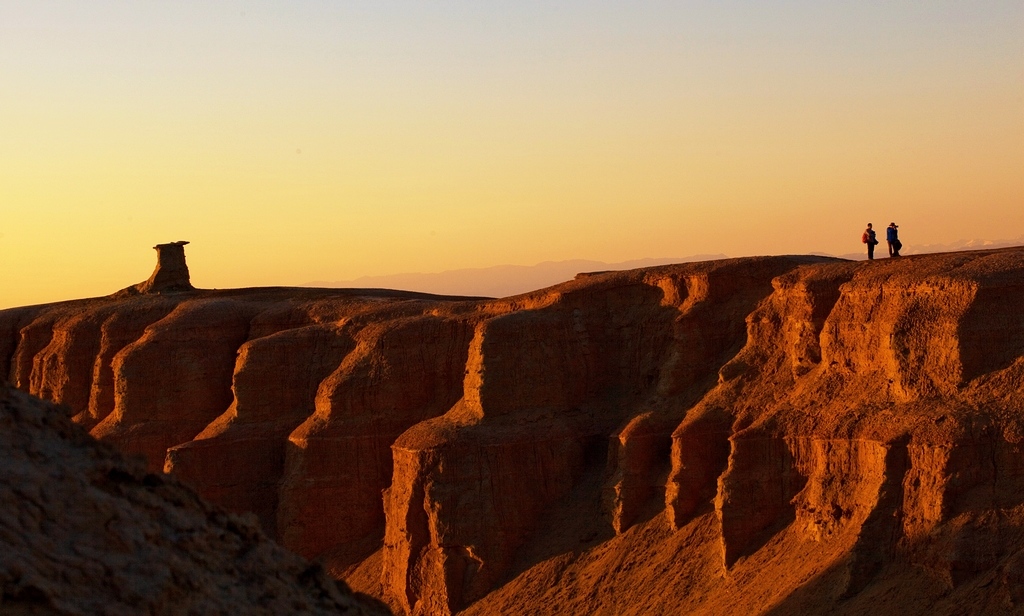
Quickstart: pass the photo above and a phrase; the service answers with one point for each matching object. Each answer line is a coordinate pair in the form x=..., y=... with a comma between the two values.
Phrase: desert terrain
x=764, y=435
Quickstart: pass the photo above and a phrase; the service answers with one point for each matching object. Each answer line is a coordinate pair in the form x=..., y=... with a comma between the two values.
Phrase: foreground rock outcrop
x=85, y=531
x=762, y=435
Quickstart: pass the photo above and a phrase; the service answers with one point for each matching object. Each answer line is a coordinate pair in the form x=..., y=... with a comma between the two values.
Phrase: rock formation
x=85, y=531
x=760, y=435
x=171, y=273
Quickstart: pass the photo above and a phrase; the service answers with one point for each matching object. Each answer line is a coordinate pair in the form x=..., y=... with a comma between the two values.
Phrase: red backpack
x=864, y=238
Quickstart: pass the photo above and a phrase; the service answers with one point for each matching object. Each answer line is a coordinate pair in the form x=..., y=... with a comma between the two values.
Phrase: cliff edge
x=763, y=435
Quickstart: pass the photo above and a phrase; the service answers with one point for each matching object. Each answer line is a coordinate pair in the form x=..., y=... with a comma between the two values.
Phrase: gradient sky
x=297, y=141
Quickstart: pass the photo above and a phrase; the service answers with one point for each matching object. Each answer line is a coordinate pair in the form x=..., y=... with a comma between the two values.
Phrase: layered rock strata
x=85, y=531
x=723, y=418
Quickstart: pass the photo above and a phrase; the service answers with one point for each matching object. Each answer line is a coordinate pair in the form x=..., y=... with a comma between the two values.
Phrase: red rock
x=84, y=531
x=238, y=459
x=33, y=336
x=339, y=459
x=63, y=370
x=171, y=273
x=175, y=379
x=11, y=323
x=542, y=385
x=819, y=430
x=125, y=325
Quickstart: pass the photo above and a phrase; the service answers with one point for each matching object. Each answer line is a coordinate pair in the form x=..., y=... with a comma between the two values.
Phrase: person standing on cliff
x=869, y=239
x=893, y=240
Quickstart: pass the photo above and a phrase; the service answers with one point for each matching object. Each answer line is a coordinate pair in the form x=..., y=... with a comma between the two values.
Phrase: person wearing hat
x=892, y=238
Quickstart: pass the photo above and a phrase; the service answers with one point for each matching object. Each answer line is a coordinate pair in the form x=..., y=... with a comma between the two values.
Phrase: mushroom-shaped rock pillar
x=171, y=273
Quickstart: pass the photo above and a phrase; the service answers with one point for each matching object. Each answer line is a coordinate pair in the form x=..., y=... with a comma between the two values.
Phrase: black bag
x=898, y=245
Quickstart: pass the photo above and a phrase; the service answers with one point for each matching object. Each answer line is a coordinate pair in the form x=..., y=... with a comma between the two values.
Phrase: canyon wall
x=774, y=434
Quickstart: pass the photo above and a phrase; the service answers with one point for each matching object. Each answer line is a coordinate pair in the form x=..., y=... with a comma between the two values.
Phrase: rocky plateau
x=770, y=435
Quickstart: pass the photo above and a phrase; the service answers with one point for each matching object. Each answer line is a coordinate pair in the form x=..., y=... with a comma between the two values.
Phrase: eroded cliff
x=782, y=434
x=85, y=531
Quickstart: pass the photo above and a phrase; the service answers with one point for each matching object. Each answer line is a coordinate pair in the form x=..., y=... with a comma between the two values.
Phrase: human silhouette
x=893, y=240
x=869, y=238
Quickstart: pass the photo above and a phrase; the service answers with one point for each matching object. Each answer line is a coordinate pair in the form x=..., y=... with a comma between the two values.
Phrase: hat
x=892, y=224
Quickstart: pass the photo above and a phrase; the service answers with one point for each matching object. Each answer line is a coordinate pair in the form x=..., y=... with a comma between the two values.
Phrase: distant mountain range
x=506, y=280
x=500, y=280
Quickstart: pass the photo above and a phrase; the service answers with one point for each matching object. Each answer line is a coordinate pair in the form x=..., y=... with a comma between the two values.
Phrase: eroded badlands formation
x=84, y=531
x=760, y=435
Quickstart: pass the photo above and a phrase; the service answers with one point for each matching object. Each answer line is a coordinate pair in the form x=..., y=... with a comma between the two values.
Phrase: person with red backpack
x=869, y=238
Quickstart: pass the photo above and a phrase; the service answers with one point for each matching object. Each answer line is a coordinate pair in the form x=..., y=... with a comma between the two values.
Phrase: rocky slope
x=85, y=531
x=777, y=434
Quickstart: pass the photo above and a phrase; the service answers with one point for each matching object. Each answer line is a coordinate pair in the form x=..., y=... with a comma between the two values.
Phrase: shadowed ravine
x=775, y=435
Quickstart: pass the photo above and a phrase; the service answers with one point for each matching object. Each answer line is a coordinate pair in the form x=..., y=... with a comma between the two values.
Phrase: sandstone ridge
x=764, y=435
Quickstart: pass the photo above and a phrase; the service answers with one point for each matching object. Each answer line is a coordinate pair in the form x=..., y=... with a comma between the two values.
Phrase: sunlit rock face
x=776, y=434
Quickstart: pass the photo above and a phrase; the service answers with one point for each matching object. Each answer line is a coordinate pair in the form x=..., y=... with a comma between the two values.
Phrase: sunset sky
x=298, y=141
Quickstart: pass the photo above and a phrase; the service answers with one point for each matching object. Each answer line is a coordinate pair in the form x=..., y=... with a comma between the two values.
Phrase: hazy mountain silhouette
x=499, y=280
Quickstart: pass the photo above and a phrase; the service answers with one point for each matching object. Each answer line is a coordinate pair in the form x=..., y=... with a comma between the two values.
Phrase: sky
x=303, y=140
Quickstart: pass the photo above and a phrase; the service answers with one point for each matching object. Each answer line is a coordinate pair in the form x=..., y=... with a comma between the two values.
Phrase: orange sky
x=305, y=141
